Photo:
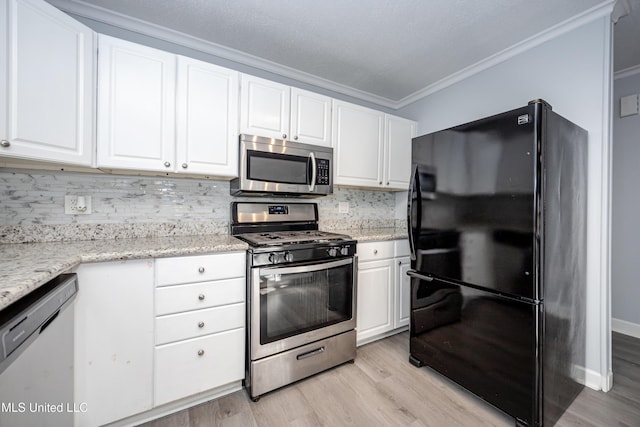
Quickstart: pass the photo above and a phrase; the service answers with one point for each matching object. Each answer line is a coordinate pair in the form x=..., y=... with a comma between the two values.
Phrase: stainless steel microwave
x=279, y=167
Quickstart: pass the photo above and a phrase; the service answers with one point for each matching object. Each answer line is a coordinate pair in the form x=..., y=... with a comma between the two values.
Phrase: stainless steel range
x=301, y=286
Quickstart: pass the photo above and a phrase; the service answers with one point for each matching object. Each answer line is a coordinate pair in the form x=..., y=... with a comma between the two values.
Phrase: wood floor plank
x=383, y=389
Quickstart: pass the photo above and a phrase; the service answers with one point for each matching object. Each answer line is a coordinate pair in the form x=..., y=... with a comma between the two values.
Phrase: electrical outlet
x=343, y=207
x=77, y=205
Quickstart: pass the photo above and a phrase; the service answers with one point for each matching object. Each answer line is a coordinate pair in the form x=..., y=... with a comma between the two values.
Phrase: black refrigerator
x=497, y=229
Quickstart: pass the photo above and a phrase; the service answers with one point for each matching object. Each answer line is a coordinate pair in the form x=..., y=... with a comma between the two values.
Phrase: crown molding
x=533, y=41
x=627, y=72
x=136, y=25
x=152, y=30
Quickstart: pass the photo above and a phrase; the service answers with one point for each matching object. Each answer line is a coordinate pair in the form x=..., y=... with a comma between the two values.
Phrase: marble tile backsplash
x=32, y=206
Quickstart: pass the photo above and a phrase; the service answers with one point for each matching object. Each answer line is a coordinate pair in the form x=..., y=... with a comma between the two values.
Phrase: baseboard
x=363, y=341
x=626, y=328
x=178, y=405
x=592, y=379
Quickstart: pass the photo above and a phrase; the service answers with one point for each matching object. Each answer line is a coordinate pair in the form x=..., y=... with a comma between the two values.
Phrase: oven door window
x=278, y=168
x=296, y=300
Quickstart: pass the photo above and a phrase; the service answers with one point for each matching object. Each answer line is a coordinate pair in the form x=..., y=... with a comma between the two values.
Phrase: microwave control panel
x=322, y=172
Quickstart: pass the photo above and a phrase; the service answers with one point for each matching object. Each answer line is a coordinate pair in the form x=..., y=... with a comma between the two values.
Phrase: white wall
x=625, y=201
x=572, y=72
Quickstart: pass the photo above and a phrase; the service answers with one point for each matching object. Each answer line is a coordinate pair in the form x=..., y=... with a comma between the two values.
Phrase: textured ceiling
x=389, y=49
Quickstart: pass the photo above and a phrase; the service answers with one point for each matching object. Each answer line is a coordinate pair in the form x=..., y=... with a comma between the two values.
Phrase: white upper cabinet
x=310, y=117
x=264, y=108
x=372, y=149
x=397, y=147
x=166, y=113
x=274, y=110
x=358, y=142
x=47, y=69
x=136, y=106
x=207, y=119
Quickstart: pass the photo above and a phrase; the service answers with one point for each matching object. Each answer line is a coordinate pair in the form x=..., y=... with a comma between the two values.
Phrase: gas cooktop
x=278, y=238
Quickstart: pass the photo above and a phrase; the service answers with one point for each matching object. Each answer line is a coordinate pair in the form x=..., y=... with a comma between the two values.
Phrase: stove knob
x=273, y=257
x=344, y=250
x=332, y=252
x=288, y=256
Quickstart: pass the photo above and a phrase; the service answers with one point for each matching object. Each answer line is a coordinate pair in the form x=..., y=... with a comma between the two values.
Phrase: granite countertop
x=24, y=267
x=375, y=234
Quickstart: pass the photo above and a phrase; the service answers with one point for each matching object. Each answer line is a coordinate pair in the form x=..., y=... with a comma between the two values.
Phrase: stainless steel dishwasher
x=36, y=357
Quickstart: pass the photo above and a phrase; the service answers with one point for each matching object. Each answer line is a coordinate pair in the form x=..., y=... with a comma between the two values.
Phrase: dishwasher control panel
x=22, y=321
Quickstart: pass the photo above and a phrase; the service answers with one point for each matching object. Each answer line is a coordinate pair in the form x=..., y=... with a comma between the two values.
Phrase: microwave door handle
x=312, y=186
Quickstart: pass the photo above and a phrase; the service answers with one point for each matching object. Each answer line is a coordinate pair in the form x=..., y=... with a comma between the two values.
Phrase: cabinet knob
x=380, y=182
x=200, y=324
x=200, y=352
x=167, y=164
x=201, y=270
x=284, y=136
x=375, y=252
x=201, y=297
x=5, y=143
x=295, y=137
x=184, y=166
x=387, y=182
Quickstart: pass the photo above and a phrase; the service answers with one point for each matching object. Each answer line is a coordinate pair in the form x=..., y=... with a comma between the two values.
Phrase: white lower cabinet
x=192, y=366
x=375, y=298
x=142, y=341
x=113, y=341
x=200, y=326
x=383, y=289
x=403, y=292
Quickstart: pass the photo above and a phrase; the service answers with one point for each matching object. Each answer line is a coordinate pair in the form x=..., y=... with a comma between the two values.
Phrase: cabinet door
x=375, y=299
x=310, y=117
x=113, y=367
x=47, y=79
x=397, y=141
x=403, y=292
x=264, y=108
x=193, y=366
x=207, y=119
x=358, y=145
x=136, y=106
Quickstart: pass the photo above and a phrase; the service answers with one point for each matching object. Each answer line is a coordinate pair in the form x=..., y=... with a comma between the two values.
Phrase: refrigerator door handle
x=416, y=275
x=414, y=186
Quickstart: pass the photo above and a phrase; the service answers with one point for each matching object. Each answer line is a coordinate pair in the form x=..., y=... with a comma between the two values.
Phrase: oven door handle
x=307, y=268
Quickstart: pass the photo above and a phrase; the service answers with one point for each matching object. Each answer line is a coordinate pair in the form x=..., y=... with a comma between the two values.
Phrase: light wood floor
x=382, y=389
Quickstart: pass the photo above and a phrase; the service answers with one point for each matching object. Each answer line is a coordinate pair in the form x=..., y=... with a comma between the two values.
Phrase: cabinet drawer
x=193, y=366
x=172, y=271
x=369, y=251
x=402, y=248
x=191, y=324
x=195, y=296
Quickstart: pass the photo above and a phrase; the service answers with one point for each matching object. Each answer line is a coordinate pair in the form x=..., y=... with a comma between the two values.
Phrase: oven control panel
x=299, y=255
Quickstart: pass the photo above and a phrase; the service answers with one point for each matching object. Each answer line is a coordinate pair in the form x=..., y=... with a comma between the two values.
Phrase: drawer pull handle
x=201, y=270
x=200, y=352
x=310, y=353
x=375, y=252
x=200, y=324
x=201, y=297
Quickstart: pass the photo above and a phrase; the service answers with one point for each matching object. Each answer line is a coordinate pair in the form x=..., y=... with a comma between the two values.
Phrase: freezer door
x=473, y=194
x=484, y=342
